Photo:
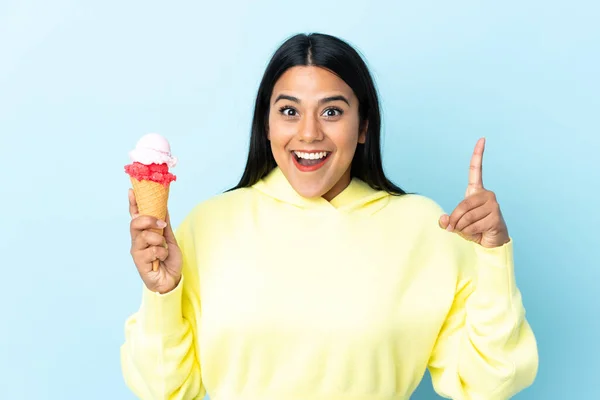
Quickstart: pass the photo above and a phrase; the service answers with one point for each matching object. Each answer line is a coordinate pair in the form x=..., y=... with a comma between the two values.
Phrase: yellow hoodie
x=288, y=298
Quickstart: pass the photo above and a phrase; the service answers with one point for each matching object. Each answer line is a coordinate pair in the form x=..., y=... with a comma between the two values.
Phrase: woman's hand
x=147, y=246
x=478, y=217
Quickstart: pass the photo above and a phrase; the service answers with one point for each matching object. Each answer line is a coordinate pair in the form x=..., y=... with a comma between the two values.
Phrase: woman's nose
x=310, y=130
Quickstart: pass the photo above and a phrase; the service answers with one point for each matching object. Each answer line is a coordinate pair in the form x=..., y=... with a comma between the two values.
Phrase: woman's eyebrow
x=322, y=101
x=287, y=97
x=334, y=98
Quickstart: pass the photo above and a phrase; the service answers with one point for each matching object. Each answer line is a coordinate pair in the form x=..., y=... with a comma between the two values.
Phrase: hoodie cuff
x=162, y=313
x=495, y=270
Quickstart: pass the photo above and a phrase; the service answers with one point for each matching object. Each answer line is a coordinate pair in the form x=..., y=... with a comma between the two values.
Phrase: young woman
x=316, y=278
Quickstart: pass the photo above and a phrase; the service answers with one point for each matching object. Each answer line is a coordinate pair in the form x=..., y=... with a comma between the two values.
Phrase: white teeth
x=311, y=156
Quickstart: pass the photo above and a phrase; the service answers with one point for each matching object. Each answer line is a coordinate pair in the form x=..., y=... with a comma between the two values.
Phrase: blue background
x=80, y=82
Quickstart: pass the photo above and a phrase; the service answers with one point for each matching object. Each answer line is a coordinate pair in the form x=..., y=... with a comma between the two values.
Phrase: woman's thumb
x=168, y=231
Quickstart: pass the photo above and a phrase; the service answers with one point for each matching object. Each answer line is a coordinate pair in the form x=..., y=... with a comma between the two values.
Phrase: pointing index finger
x=476, y=167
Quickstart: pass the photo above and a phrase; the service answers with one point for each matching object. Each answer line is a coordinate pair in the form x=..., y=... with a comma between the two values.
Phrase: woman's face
x=314, y=128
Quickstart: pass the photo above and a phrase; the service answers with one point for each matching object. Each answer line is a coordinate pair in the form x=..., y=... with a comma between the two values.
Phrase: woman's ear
x=362, y=135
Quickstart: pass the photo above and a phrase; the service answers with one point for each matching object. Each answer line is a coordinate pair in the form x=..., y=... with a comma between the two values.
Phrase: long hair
x=340, y=58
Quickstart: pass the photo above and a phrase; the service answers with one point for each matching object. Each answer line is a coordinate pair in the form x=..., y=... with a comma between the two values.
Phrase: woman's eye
x=333, y=112
x=288, y=111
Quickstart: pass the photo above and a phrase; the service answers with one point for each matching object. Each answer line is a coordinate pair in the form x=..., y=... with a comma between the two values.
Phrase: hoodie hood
x=358, y=195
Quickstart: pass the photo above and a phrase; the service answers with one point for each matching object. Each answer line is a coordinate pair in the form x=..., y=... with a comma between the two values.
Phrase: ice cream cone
x=150, y=177
x=151, y=198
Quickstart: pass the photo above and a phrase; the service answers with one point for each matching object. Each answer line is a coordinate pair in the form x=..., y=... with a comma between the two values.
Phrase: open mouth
x=310, y=161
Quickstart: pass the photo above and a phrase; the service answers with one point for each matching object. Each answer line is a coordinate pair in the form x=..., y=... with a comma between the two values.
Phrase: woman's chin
x=316, y=186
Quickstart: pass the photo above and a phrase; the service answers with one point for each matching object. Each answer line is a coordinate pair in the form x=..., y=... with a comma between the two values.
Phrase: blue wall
x=81, y=81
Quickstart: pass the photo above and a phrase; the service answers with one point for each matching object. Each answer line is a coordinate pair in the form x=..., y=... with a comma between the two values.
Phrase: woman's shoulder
x=417, y=205
x=218, y=204
x=422, y=214
x=416, y=213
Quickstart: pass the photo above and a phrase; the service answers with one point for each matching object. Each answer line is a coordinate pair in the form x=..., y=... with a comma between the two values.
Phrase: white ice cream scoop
x=153, y=148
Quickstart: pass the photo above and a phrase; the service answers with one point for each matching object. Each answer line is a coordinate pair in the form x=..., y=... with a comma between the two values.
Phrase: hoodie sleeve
x=486, y=348
x=158, y=358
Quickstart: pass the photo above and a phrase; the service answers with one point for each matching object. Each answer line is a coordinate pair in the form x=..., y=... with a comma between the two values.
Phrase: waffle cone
x=151, y=199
